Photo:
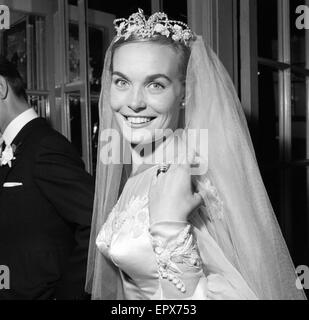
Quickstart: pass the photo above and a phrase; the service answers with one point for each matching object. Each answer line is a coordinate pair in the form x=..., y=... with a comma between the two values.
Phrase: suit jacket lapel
x=18, y=140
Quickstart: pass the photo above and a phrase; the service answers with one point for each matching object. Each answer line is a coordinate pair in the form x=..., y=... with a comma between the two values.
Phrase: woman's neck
x=158, y=152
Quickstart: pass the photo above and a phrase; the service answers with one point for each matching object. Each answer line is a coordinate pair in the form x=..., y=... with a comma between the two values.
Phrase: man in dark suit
x=46, y=200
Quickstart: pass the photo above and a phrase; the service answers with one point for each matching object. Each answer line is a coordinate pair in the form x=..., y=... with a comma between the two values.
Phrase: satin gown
x=162, y=260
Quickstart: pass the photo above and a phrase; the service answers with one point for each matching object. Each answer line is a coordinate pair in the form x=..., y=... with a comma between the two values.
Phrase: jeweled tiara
x=158, y=23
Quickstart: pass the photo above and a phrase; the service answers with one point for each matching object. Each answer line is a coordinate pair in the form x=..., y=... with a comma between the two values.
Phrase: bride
x=178, y=215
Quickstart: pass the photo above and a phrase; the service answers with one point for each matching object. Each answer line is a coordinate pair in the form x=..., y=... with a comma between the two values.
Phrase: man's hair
x=9, y=71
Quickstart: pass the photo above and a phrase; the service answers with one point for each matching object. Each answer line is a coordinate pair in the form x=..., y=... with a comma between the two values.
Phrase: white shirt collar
x=17, y=124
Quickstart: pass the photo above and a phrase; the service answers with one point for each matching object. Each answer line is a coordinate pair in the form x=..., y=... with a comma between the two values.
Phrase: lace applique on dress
x=135, y=215
x=212, y=200
x=183, y=250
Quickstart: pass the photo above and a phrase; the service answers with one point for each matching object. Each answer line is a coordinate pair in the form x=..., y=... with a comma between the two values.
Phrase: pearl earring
x=183, y=105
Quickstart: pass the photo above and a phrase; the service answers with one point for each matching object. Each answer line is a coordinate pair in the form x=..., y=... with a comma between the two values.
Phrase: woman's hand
x=172, y=196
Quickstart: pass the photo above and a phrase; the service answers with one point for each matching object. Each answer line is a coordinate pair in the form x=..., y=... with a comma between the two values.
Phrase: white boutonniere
x=7, y=156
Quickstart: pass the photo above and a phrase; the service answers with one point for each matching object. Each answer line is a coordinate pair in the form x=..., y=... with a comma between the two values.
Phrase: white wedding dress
x=162, y=260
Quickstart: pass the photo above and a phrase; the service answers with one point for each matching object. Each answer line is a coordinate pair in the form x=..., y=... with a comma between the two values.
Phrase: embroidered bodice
x=157, y=261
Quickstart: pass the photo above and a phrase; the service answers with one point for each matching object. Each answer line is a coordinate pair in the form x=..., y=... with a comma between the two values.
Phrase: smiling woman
x=162, y=232
x=146, y=90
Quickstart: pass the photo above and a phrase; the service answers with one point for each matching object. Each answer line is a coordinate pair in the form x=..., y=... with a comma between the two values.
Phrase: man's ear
x=4, y=88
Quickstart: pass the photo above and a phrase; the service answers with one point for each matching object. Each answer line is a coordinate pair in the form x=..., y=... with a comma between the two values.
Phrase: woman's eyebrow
x=149, y=78
x=156, y=76
x=117, y=73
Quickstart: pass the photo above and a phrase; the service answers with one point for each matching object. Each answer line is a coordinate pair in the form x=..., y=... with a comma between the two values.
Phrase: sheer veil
x=237, y=212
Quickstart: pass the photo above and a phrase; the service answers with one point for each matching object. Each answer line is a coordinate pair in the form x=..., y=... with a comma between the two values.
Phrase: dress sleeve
x=179, y=263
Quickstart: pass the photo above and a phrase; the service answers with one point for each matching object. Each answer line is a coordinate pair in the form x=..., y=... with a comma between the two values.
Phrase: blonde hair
x=178, y=47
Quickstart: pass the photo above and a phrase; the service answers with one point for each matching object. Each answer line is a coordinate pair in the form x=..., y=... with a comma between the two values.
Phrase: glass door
x=281, y=60
x=81, y=38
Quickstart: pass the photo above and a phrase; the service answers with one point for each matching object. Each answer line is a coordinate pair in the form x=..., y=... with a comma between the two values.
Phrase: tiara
x=158, y=23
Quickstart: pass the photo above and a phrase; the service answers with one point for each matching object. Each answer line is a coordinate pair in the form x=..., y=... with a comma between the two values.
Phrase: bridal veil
x=243, y=224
